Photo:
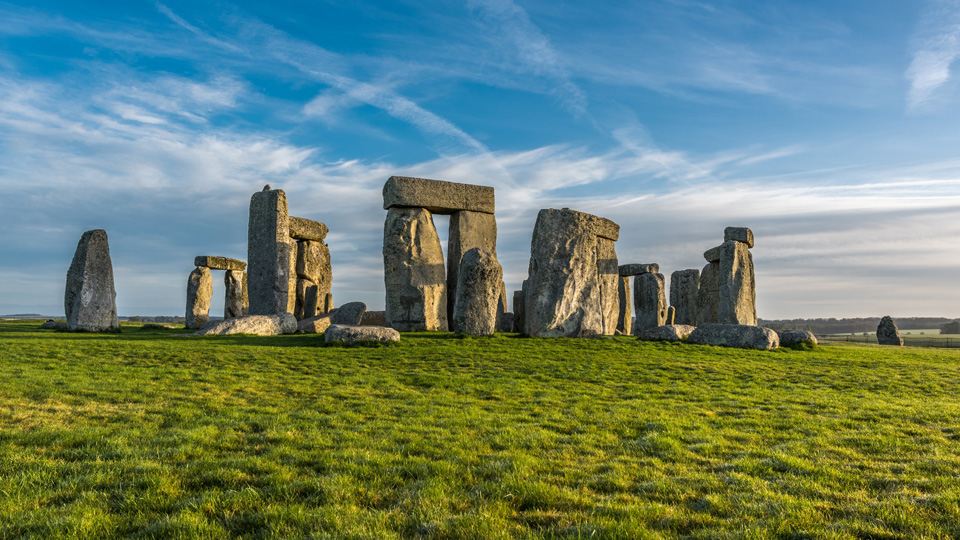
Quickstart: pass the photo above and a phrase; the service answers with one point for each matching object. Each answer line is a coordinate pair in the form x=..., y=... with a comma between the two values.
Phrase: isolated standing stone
x=650, y=301
x=625, y=314
x=350, y=314
x=684, y=293
x=468, y=230
x=235, y=301
x=735, y=335
x=413, y=271
x=268, y=253
x=608, y=272
x=708, y=295
x=478, y=294
x=888, y=333
x=90, y=300
x=199, y=293
x=738, y=301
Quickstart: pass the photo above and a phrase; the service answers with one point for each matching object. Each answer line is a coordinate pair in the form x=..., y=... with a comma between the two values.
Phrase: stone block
x=416, y=287
x=268, y=253
x=625, y=313
x=90, y=299
x=349, y=335
x=199, y=294
x=437, y=196
x=636, y=269
x=796, y=337
x=713, y=254
x=649, y=301
x=609, y=275
x=307, y=229
x=518, y=324
x=350, y=314
x=668, y=332
x=737, y=303
x=258, y=325
x=317, y=324
x=888, y=333
x=684, y=295
x=738, y=234
x=478, y=294
x=219, y=263
x=373, y=318
x=468, y=230
x=235, y=302
x=708, y=294
x=735, y=335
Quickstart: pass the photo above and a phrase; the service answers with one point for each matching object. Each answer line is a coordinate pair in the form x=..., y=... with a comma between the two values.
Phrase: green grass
x=145, y=435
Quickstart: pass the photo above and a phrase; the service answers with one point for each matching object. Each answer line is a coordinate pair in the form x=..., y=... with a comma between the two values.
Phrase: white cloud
x=937, y=47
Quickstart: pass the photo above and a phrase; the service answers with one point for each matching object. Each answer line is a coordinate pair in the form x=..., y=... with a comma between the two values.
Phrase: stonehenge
x=348, y=335
x=727, y=291
x=90, y=299
x=478, y=291
x=199, y=292
x=684, y=289
x=888, y=333
x=625, y=313
x=742, y=336
x=200, y=289
x=650, y=301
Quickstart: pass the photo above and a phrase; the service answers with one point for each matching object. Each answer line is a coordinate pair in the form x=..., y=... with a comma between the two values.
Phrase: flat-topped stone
x=636, y=269
x=668, y=332
x=713, y=254
x=340, y=333
x=307, y=229
x=796, y=337
x=738, y=234
x=219, y=263
x=258, y=325
x=437, y=196
x=735, y=335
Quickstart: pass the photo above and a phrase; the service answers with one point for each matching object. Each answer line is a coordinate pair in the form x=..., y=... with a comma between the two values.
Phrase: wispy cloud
x=937, y=47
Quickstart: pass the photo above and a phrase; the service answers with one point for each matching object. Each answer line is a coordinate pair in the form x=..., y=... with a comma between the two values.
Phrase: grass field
x=146, y=435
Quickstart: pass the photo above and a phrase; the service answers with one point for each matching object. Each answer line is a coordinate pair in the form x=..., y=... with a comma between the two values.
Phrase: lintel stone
x=739, y=234
x=713, y=254
x=636, y=269
x=437, y=196
x=219, y=263
x=307, y=229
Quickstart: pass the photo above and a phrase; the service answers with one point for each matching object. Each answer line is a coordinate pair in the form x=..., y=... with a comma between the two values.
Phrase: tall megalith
x=468, y=230
x=413, y=271
x=684, y=293
x=268, y=253
x=90, y=299
x=737, y=302
x=478, y=294
x=608, y=275
x=199, y=293
x=235, y=302
x=650, y=301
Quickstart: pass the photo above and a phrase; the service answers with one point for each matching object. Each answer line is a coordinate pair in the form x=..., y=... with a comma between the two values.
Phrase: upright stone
x=625, y=314
x=738, y=302
x=292, y=279
x=518, y=322
x=478, y=294
x=327, y=303
x=608, y=272
x=314, y=278
x=199, y=293
x=708, y=294
x=413, y=271
x=468, y=230
x=90, y=300
x=888, y=333
x=235, y=300
x=268, y=253
x=684, y=292
x=650, y=301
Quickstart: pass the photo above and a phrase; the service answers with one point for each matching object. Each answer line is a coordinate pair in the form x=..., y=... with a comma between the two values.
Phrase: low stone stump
x=373, y=318
x=670, y=332
x=348, y=335
x=796, y=337
x=735, y=335
x=258, y=325
x=317, y=324
x=349, y=314
x=54, y=325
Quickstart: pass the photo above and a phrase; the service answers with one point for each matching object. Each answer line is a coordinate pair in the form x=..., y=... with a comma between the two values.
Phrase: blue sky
x=829, y=128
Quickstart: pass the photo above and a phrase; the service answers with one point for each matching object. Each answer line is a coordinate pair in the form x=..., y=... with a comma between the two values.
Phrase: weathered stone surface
x=307, y=229
x=292, y=280
x=738, y=234
x=505, y=324
x=738, y=301
x=258, y=325
x=888, y=333
x=671, y=315
x=713, y=254
x=684, y=293
x=90, y=300
x=235, y=302
x=478, y=294
x=317, y=324
x=54, y=325
x=735, y=335
x=437, y=196
x=607, y=229
x=649, y=301
x=413, y=271
x=668, y=332
x=314, y=278
x=355, y=334
x=349, y=314
x=502, y=307
x=327, y=303
x=268, y=253
x=468, y=230
x=308, y=298
x=708, y=295
x=518, y=324
x=373, y=318
x=562, y=293
x=796, y=337
x=609, y=275
x=219, y=263
x=625, y=313
x=636, y=269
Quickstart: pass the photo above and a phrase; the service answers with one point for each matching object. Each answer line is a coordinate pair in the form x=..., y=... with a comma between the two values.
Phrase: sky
x=831, y=129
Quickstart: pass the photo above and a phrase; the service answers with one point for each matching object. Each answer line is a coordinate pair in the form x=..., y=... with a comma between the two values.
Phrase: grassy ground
x=151, y=436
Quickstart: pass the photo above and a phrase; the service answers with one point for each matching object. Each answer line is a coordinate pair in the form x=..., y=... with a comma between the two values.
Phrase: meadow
x=144, y=434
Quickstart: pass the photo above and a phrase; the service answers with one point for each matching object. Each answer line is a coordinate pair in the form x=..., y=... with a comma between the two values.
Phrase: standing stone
x=650, y=301
x=684, y=292
x=413, y=271
x=90, y=301
x=478, y=294
x=608, y=272
x=268, y=253
x=708, y=294
x=518, y=323
x=671, y=315
x=888, y=333
x=327, y=303
x=292, y=278
x=738, y=302
x=235, y=299
x=563, y=290
x=199, y=293
x=314, y=278
x=502, y=310
x=625, y=314
x=468, y=230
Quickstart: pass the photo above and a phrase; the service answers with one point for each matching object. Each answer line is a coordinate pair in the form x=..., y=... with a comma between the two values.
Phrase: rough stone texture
x=478, y=294
x=307, y=229
x=738, y=234
x=518, y=324
x=708, y=295
x=292, y=280
x=669, y=332
x=54, y=325
x=308, y=299
x=348, y=335
x=268, y=253
x=608, y=273
x=562, y=292
x=373, y=318
x=235, y=302
x=219, y=263
x=636, y=269
x=314, y=278
x=888, y=333
x=437, y=196
x=671, y=315
x=258, y=325
x=735, y=335
x=625, y=314
x=327, y=303
x=649, y=302
x=505, y=324
x=713, y=254
x=607, y=229
x=315, y=325
x=90, y=300
x=502, y=308
x=738, y=300
x=796, y=337
x=684, y=292
x=413, y=271
x=468, y=230
x=349, y=314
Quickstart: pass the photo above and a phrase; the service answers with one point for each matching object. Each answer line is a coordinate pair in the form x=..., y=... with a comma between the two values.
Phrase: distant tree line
x=175, y=319
x=858, y=325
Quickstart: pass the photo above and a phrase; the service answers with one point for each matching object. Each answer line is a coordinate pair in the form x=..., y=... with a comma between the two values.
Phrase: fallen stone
x=199, y=293
x=219, y=263
x=888, y=333
x=708, y=294
x=478, y=294
x=609, y=275
x=738, y=299
x=649, y=302
x=54, y=325
x=437, y=196
x=684, y=293
x=317, y=324
x=416, y=287
x=625, y=315
x=307, y=229
x=713, y=254
x=669, y=332
x=735, y=335
x=268, y=253
x=157, y=326
x=637, y=269
x=373, y=318
x=349, y=314
x=235, y=302
x=349, y=335
x=467, y=230
x=90, y=299
x=258, y=325
x=738, y=234
x=796, y=337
